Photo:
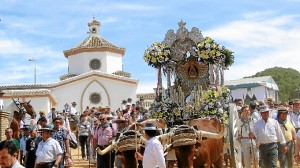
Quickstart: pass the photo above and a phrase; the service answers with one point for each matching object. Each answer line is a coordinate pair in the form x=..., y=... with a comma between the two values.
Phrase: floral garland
x=225, y=100
x=167, y=109
x=210, y=102
x=215, y=103
x=157, y=55
x=225, y=94
x=212, y=52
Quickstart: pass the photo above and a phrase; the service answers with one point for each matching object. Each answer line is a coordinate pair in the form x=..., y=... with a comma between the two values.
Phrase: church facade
x=95, y=78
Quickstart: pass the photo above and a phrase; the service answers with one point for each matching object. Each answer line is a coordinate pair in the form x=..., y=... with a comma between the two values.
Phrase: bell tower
x=94, y=28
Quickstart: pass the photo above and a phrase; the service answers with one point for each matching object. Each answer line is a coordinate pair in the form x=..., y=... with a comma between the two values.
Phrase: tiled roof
x=92, y=44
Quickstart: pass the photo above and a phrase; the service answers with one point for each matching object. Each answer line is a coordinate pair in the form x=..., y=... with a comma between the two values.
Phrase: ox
x=126, y=145
x=127, y=154
x=198, y=148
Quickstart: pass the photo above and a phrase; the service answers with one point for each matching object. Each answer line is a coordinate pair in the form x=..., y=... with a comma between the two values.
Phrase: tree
x=287, y=79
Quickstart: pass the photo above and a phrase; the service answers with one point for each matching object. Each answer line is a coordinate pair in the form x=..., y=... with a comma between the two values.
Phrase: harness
x=246, y=124
x=20, y=107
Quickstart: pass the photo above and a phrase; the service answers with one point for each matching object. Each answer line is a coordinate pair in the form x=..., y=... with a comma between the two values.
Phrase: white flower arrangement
x=157, y=55
x=211, y=51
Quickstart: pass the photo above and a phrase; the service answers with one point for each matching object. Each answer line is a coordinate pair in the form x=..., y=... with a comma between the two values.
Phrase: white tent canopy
x=262, y=87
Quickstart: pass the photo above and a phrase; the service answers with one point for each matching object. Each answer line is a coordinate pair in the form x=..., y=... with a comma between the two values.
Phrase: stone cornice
x=146, y=95
x=70, y=80
x=30, y=93
x=74, y=51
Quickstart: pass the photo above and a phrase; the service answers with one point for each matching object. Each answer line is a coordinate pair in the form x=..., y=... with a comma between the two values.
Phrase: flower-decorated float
x=194, y=69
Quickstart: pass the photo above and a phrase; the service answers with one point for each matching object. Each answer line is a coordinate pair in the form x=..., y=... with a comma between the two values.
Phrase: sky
x=262, y=34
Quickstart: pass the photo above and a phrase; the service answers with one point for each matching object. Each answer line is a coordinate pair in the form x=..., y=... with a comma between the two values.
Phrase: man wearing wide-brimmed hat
x=49, y=152
x=74, y=113
x=267, y=133
x=295, y=115
x=288, y=130
x=153, y=154
x=23, y=143
x=103, y=134
x=31, y=146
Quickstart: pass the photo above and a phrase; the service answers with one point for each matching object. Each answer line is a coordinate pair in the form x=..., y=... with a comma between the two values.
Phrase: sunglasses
x=101, y=119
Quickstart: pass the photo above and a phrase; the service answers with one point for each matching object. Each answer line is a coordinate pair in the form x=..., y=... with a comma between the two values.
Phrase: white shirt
x=298, y=134
x=47, y=151
x=273, y=113
x=67, y=123
x=245, y=127
x=295, y=119
x=154, y=154
x=17, y=165
x=50, y=116
x=23, y=144
x=73, y=111
x=268, y=132
x=255, y=115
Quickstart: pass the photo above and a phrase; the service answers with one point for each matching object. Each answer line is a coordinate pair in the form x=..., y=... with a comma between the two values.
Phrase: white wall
x=80, y=63
x=261, y=93
x=80, y=91
x=38, y=103
x=114, y=62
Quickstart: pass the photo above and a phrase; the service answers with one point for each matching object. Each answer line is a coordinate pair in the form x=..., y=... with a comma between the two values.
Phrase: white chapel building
x=95, y=78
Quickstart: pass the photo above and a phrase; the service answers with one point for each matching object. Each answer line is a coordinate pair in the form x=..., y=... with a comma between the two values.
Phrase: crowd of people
x=46, y=142
x=268, y=132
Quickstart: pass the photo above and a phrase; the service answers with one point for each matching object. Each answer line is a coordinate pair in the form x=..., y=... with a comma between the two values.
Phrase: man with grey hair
x=253, y=111
x=267, y=133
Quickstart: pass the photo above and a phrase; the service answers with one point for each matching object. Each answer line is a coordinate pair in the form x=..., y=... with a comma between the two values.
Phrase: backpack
x=114, y=131
x=73, y=141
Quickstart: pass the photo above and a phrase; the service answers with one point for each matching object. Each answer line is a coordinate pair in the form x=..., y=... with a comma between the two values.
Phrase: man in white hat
x=267, y=133
x=49, y=152
x=154, y=154
x=288, y=130
x=74, y=113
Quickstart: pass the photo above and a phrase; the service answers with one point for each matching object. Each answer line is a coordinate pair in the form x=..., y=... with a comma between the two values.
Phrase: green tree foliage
x=287, y=79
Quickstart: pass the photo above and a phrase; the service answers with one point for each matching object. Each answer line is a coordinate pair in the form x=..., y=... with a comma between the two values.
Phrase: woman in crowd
x=83, y=133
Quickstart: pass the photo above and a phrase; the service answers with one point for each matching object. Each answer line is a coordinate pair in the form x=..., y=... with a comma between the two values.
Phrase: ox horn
x=164, y=138
x=28, y=101
x=107, y=149
x=210, y=134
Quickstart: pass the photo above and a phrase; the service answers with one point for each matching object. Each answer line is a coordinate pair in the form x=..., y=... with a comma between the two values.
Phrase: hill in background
x=287, y=79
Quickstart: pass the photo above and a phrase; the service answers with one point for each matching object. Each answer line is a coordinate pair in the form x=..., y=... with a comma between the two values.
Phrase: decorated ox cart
x=194, y=69
x=195, y=104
